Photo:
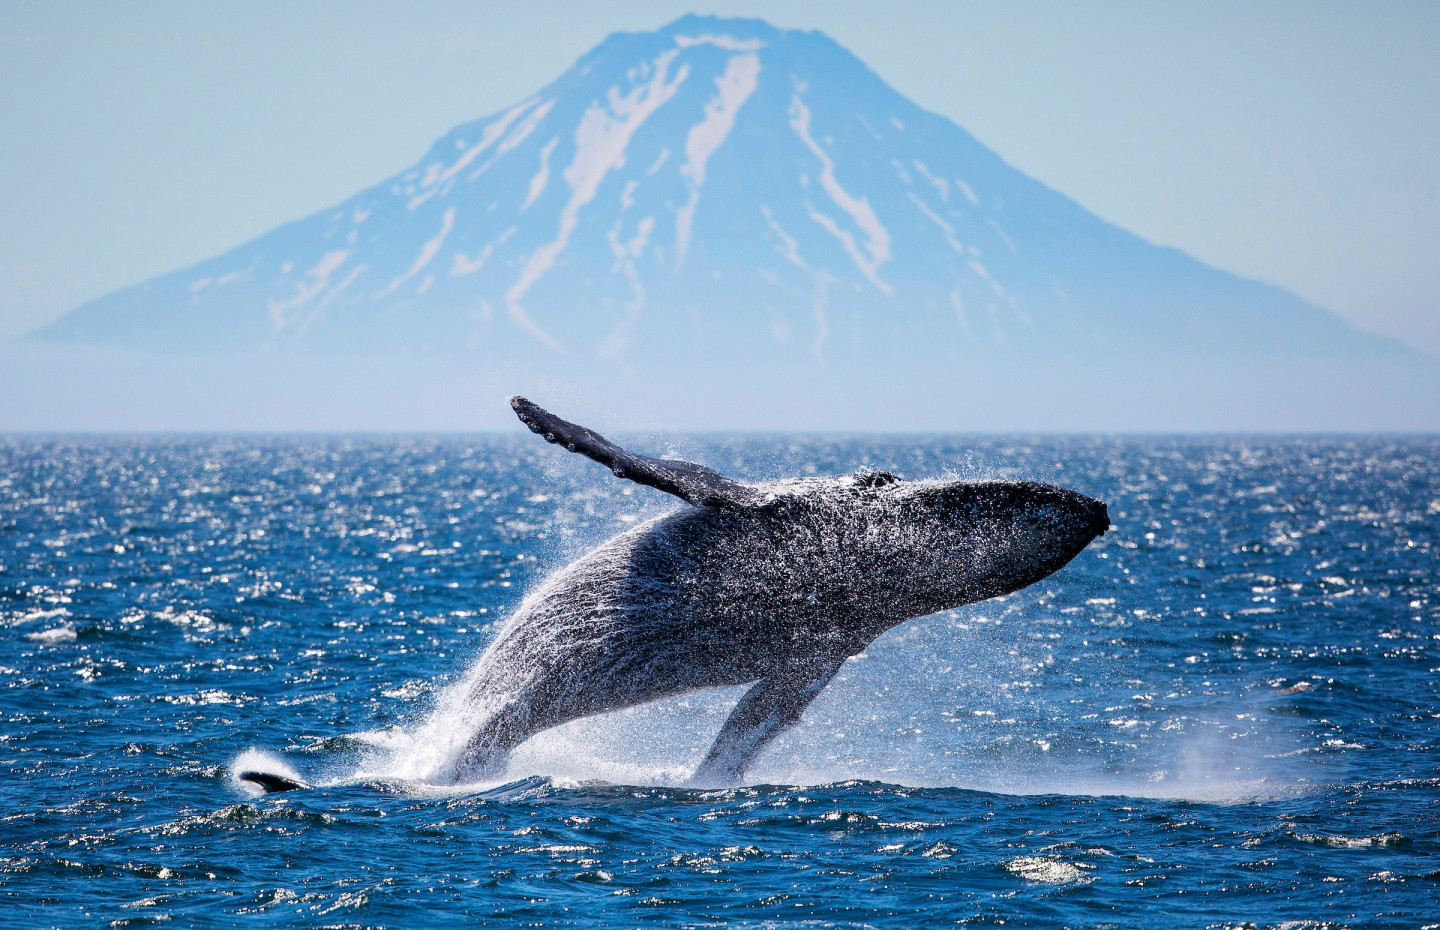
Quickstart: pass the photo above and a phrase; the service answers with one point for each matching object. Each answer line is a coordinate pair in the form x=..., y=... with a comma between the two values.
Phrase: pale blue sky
x=1294, y=142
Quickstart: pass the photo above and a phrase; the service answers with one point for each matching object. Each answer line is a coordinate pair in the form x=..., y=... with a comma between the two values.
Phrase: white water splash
x=259, y=760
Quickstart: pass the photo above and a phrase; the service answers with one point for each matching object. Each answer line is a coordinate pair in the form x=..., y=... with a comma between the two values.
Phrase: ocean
x=1224, y=713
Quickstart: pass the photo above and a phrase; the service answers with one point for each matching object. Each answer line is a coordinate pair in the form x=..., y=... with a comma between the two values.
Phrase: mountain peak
x=739, y=27
x=717, y=192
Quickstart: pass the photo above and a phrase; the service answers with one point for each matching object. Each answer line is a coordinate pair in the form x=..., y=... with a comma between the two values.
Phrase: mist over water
x=1229, y=701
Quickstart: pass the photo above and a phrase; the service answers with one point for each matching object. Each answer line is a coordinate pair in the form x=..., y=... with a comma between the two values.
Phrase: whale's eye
x=874, y=479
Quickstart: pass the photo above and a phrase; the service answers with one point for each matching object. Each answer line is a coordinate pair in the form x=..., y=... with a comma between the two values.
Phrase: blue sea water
x=1225, y=713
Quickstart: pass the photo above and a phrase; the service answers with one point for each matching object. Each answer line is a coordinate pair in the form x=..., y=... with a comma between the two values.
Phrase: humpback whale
x=772, y=585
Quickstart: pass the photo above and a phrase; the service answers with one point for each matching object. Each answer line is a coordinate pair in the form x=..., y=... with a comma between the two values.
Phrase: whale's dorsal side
x=692, y=483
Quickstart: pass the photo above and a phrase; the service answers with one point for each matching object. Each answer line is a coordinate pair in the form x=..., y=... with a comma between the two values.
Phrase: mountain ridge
x=718, y=193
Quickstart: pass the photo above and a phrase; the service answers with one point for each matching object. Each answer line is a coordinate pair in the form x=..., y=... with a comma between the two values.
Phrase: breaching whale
x=773, y=585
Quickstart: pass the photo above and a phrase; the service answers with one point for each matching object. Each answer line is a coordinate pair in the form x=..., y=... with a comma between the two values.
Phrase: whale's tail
x=271, y=783
x=488, y=748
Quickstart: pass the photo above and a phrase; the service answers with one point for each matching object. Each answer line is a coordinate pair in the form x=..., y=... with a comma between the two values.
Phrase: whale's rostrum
x=773, y=585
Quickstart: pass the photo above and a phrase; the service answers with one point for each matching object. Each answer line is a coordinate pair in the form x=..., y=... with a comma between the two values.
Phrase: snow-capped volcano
x=718, y=192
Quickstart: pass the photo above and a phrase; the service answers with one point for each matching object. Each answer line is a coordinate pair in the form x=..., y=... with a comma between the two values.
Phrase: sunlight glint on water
x=1230, y=701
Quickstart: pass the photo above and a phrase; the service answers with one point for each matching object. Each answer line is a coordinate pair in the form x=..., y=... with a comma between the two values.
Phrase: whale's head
x=971, y=540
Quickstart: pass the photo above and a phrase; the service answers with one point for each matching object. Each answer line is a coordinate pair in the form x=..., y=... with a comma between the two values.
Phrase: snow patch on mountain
x=877, y=239
x=317, y=279
x=625, y=255
x=742, y=75
x=938, y=220
x=729, y=43
x=789, y=249
x=600, y=142
x=941, y=184
x=542, y=177
x=438, y=176
x=428, y=251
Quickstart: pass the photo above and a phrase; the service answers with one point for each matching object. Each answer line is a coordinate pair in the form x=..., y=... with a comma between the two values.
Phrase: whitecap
x=1048, y=870
x=54, y=635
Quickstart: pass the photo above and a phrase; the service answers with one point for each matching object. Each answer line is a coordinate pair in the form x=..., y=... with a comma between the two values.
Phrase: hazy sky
x=1295, y=143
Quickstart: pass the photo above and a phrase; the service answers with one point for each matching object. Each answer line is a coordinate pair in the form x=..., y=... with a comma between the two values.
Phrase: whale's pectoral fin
x=686, y=480
x=772, y=704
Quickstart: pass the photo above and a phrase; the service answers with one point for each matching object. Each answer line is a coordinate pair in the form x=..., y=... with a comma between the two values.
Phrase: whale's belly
x=687, y=602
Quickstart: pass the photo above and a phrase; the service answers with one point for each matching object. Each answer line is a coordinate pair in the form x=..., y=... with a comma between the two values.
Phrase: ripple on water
x=1224, y=710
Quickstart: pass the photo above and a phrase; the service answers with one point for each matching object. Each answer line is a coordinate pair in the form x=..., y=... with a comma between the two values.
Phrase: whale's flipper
x=686, y=480
x=772, y=704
